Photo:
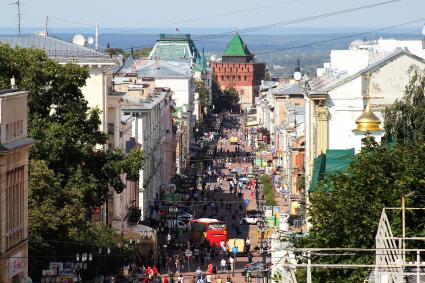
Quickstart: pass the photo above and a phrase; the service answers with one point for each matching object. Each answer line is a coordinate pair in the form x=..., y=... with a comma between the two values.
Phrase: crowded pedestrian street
x=224, y=191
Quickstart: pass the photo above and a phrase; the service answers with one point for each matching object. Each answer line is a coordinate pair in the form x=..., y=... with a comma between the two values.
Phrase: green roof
x=236, y=47
x=335, y=160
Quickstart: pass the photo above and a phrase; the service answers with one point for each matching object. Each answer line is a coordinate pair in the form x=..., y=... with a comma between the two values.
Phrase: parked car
x=177, y=223
x=185, y=217
x=252, y=217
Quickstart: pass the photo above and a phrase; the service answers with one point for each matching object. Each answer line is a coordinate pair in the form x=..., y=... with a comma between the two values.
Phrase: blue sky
x=231, y=14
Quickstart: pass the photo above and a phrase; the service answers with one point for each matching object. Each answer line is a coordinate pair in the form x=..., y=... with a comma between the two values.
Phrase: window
x=233, y=78
x=239, y=78
x=14, y=129
x=244, y=78
x=230, y=69
x=222, y=78
x=15, y=204
x=7, y=131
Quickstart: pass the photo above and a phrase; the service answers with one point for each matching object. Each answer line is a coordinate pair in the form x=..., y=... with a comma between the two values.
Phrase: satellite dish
x=90, y=40
x=78, y=39
x=423, y=31
x=297, y=76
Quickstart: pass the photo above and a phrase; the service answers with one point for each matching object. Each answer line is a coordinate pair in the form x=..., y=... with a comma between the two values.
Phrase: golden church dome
x=368, y=121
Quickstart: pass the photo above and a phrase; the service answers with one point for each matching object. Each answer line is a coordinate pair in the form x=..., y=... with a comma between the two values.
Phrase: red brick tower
x=238, y=70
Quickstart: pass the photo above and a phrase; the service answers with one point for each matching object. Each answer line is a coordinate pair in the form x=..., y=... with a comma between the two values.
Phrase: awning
x=251, y=123
x=335, y=160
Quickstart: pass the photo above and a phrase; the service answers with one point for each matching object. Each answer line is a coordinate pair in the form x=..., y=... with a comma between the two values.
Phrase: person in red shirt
x=155, y=270
x=165, y=279
x=210, y=266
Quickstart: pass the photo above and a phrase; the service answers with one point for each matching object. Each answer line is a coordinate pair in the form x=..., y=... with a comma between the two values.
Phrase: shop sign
x=16, y=264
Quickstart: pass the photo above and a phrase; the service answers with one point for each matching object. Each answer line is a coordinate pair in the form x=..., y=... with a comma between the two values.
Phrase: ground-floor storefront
x=14, y=264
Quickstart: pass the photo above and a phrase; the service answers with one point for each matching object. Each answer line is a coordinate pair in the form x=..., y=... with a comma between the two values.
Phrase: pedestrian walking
x=232, y=265
x=180, y=279
x=218, y=280
x=223, y=265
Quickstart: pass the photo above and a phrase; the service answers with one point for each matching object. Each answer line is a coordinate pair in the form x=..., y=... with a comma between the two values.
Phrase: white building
x=333, y=105
x=364, y=53
x=151, y=128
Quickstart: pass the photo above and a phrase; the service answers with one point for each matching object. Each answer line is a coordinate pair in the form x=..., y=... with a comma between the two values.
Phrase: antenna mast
x=18, y=4
x=97, y=37
x=46, y=28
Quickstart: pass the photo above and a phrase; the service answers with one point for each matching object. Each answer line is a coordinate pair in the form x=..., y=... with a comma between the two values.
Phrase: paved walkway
x=231, y=217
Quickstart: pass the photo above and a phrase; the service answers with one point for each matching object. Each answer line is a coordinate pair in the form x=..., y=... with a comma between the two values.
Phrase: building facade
x=152, y=130
x=238, y=70
x=14, y=149
x=334, y=105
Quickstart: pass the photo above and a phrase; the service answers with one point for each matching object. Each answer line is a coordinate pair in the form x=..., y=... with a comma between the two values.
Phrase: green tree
x=267, y=75
x=203, y=94
x=70, y=172
x=404, y=120
x=224, y=100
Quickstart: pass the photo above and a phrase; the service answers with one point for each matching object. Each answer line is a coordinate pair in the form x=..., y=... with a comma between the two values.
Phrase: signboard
x=56, y=265
x=16, y=264
x=188, y=253
x=215, y=226
x=49, y=272
x=273, y=221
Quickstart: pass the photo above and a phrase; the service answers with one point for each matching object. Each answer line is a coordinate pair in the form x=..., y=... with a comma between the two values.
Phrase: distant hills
x=280, y=49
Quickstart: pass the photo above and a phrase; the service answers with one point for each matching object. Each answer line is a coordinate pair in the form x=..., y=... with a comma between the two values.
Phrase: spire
x=236, y=47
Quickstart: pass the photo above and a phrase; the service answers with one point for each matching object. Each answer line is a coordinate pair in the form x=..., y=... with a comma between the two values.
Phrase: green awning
x=335, y=160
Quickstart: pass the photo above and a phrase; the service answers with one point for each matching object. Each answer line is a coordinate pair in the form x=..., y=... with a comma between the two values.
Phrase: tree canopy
x=223, y=99
x=71, y=172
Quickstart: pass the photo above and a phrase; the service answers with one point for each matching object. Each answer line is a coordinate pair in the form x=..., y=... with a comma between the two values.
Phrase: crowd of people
x=214, y=179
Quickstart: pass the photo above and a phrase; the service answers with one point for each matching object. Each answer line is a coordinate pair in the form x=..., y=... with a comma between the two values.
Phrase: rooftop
x=11, y=92
x=133, y=104
x=164, y=69
x=236, y=47
x=55, y=48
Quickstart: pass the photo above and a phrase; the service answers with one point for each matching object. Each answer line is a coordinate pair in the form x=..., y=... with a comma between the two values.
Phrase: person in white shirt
x=223, y=265
x=232, y=265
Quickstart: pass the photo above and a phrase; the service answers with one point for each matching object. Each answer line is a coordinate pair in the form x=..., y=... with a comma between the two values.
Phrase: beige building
x=14, y=150
x=99, y=64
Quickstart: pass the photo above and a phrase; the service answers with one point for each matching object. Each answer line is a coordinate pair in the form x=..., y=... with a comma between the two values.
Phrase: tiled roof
x=164, y=69
x=289, y=90
x=171, y=51
x=236, y=47
x=54, y=48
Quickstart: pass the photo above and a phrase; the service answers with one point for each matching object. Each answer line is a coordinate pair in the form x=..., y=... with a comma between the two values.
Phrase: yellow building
x=14, y=148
